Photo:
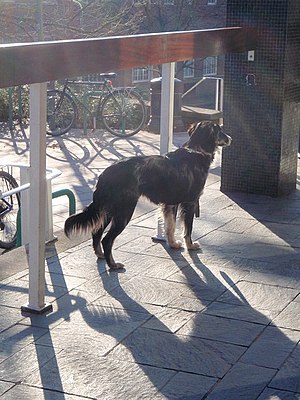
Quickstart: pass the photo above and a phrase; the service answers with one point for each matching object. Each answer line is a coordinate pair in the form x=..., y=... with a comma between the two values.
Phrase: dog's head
x=206, y=136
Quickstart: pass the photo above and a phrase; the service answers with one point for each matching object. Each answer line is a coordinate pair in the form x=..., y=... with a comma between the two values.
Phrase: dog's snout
x=224, y=139
x=229, y=139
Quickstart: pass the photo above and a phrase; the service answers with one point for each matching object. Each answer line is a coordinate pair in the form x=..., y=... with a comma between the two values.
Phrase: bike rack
x=23, y=218
x=58, y=193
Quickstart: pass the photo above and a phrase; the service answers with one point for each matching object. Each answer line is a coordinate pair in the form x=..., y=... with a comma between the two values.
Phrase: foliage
x=66, y=19
x=18, y=104
x=180, y=15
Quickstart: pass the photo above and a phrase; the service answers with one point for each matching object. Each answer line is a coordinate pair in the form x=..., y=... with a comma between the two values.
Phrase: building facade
x=32, y=20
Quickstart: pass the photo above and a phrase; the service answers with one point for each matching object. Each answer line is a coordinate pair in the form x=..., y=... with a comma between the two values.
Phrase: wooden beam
x=28, y=63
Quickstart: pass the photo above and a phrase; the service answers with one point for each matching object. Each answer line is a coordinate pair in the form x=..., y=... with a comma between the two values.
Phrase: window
x=210, y=66
x=140, y=74
x=211, y=2
x=188, y=69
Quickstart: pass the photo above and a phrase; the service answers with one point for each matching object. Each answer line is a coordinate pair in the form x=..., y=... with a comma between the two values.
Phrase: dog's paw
x=193, y=246
x=176, y=244
x=116, y=266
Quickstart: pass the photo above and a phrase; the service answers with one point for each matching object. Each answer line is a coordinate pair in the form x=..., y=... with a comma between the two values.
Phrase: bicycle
x=9, y=207
x=121, y=110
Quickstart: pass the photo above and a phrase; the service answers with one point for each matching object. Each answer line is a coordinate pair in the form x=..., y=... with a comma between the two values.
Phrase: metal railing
x=219, y=90
x=23, y=219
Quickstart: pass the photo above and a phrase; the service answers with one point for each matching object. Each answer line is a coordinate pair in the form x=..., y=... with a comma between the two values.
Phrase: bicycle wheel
x=123, y=112
x=61, y=112
x=8, y=211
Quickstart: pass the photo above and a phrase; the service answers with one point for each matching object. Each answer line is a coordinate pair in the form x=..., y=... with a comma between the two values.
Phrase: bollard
x=155, y=105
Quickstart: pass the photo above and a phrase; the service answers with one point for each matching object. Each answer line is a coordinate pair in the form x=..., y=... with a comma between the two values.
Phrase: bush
x=18, y=103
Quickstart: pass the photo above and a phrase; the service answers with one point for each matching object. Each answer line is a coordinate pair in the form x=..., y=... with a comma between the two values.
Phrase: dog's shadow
x=179, y=346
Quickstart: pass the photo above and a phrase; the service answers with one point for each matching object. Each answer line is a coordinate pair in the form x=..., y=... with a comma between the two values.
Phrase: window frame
x=190, y=67
x=213, y=66
x=143, y=70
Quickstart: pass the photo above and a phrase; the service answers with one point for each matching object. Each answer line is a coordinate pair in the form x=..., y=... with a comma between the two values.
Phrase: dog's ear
x=192, y=128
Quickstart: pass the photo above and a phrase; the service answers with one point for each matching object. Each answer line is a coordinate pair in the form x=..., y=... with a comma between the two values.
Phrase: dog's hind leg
x=169, y=213
x=118, y=224
x=187, y=216
x=97, y=236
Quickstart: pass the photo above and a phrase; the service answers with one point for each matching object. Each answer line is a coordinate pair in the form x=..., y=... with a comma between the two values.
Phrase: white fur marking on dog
x=91, y=227
x=99, y=223
x=170, y=225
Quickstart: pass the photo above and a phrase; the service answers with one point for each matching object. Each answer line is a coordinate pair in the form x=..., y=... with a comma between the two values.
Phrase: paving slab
x=187, y=386
x=222, y=329
x=274, y=394
x=241, y=312
x=22, y=392
x=259, y=295
x=177, y=352
x=287, y=377
x=272, y=347
x=289, y=317
x=17, y=337
x=91, y=376
x=243, y=381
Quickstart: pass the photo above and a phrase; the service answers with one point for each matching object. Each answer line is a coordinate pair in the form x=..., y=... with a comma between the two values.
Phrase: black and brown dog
x=174, y=180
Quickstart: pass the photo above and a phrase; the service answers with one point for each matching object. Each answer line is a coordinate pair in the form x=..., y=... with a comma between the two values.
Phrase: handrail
x=199, y=83
x=37, y=62
x=219, y=90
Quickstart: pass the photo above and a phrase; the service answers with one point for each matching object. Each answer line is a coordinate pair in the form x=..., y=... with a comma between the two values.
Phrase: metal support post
x=37, y=206
x=166, y=124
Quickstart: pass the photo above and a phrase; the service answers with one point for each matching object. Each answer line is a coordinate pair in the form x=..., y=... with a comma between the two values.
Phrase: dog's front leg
x=187, y=216
x=169, y=213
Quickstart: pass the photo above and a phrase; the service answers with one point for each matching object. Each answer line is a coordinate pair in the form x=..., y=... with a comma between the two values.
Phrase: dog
x=174, y=180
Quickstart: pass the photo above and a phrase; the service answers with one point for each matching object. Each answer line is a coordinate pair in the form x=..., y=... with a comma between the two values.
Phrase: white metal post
x=221, y=94
x=217, y=100
x=37, y=206
x=49, y=236
x=166, y=122
x=167, y=107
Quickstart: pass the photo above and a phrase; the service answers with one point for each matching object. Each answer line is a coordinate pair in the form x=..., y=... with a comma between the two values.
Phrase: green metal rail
x=58, y=193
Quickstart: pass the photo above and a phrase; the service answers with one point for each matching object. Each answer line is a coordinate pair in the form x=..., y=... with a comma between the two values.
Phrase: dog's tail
x=90, y=219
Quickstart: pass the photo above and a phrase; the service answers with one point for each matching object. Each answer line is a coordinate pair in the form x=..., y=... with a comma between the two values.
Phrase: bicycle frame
x=106, y=88
x=6, y=210
x=121, y=110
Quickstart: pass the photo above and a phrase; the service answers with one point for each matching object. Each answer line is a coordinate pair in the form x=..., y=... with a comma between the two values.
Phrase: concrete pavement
x=221, y=323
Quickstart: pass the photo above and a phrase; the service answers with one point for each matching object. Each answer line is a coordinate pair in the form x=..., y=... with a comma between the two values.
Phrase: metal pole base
x=26, y=308
x=158, y=238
